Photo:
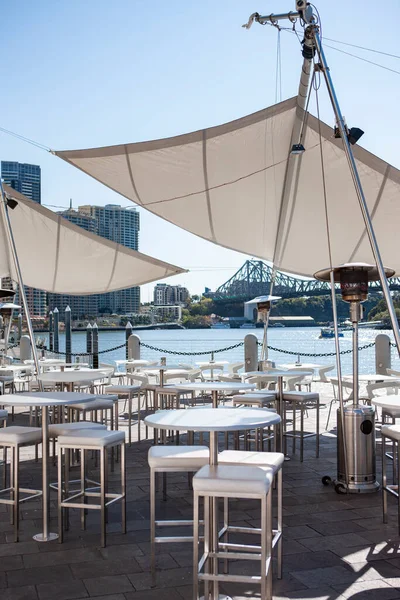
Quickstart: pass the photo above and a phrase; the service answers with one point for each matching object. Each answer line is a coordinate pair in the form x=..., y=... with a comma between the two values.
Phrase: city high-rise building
x=23, y=178
x=165, y=294
x=26, y=179
x=115, y=223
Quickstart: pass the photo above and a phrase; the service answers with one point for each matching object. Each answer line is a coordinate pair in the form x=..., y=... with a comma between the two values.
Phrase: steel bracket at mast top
x=303, y=11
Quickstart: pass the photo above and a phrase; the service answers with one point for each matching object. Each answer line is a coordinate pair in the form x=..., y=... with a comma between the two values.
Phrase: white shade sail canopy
x=57, y=256
x=228, y=184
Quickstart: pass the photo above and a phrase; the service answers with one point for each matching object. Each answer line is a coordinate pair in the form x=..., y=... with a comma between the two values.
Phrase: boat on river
x=328, y=332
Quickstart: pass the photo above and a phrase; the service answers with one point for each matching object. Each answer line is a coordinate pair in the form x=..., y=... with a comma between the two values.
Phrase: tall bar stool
x=258, y=399
x=225, y=481
x=171, y=459
x=264, y=460
x=16, y=437
x=101, y=441
x=300, y=401
x=127, y=393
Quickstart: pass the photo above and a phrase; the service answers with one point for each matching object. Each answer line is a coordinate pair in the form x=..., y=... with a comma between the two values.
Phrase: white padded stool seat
x=3, y=414
x=17, y=435
x=91, y=439
x=121, y=389
x=93, y=405
x=254, y=399
x=231, y=480
x=113, y=397
x=300, y=396
x=271, y=460
x=66, y=428
x=189, y=457
x=391, y=431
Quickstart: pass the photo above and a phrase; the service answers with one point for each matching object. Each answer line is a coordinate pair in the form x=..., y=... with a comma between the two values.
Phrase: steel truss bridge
x=254, y=279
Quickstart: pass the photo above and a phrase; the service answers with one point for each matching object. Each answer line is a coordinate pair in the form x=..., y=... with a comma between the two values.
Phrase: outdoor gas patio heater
x=264, y=304
x=357, y=473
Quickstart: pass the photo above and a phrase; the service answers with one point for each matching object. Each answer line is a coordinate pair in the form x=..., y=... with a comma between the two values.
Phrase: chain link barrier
x=315, y=354
x=177, y=353
x=203, y=353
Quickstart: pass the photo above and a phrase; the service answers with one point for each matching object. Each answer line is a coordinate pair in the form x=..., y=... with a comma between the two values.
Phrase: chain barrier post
x=133, y=346
x=56, y=316
x=95, y=332
x=51, y=333
x=250, y=352
x=68, y=334
x=89, y=342
x=128, y=333
x=25, y=350
x=383, y=358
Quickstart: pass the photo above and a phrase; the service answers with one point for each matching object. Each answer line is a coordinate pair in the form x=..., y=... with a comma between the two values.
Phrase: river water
x=292, y=339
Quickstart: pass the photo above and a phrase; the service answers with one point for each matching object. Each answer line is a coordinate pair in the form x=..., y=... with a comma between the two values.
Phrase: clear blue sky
x=83, y=74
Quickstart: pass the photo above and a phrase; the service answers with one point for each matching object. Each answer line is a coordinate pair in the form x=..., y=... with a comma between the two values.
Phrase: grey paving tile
x=62, y=590
x=311, y=560
x=103, y=567
x=38, y=575
x=27, y=592
x=113, y=584
x=322, y=593
x=342, y=540
x=300, y=532
x=170, y=594
x=366, y=553
x=77, y=555
x=314, y=578
x=368, y=590
x=12, y=548
x=11, y=563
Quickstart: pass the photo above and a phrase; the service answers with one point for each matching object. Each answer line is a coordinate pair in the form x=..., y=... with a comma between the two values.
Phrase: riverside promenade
x=335, y=546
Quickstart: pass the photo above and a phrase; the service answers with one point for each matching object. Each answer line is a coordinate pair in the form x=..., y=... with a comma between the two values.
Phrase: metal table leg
x=46, y=536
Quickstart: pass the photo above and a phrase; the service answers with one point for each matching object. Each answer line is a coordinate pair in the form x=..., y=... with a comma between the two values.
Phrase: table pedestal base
x=220, y=597
x=39, y=537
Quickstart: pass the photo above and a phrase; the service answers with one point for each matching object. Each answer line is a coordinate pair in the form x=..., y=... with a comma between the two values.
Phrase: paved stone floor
x=335, y=546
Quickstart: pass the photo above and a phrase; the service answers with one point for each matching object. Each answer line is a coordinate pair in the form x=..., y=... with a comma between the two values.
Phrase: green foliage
x=196, y=322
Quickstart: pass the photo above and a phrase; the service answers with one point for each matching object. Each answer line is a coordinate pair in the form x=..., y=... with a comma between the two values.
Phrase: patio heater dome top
x=353, y=279
x=8, y=306
x=6, y=293
x=370, y=270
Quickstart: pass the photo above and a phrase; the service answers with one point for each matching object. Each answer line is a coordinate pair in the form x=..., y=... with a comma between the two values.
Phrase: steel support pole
x=14, y=254
x=339, y=371
x=358, y=187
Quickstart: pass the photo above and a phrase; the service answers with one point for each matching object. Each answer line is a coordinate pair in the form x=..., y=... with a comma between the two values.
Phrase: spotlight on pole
x=297, y=149
x=359, y=421
x=354, y=135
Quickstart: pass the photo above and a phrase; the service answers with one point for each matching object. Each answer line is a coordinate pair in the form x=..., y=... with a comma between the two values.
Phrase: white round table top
x=215, y=386
x=216, y=363
x=16, y=368
x=72, y=376
x=134, y=362
x=212, y=419
x=165, y=368
x=46, y=361
x=46, y=398
x=274, y=374
x=302, y=366
x=388, y=401
x=373, y=377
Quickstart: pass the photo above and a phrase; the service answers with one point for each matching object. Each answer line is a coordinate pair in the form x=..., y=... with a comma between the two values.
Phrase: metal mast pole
x=358, y=187
x=11, y=243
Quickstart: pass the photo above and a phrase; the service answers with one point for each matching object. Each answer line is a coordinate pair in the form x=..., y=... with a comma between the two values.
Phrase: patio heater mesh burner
x=264, y=304
x=359, y=421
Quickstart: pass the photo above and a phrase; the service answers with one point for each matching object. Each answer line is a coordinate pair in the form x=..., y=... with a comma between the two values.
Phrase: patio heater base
x=39, y=537
x=359, y=424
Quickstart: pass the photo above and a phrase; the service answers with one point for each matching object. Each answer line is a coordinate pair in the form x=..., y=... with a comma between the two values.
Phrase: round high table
x=213, y=420
x=214, y=387
x=279, y=377
x=69, y=378
x=44, y=400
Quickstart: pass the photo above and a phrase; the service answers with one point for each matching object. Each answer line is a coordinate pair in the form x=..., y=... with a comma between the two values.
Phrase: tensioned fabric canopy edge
x=60, y=257
x=228, y=184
